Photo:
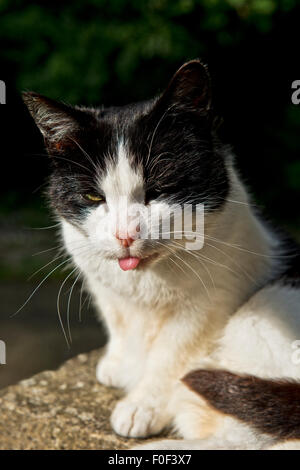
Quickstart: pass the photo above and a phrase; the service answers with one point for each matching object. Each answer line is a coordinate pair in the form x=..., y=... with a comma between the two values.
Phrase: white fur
x=184, y=309
x=231, y=435
x=292, y=444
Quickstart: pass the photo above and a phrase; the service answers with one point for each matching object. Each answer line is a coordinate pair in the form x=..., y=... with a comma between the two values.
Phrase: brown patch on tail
x=273, y=407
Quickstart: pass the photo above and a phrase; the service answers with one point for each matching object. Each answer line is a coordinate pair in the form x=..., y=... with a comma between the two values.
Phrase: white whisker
x=58, y=305
x=68, y=307
x=39, y=285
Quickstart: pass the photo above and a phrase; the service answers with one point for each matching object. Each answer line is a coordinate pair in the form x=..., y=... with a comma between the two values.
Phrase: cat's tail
x=269, y=406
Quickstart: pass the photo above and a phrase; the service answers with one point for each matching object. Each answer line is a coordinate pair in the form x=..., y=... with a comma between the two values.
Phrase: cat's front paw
x=137, y=419
x=108, y=372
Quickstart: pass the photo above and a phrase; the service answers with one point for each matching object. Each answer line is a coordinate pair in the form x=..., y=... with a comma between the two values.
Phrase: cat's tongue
x=129, y=263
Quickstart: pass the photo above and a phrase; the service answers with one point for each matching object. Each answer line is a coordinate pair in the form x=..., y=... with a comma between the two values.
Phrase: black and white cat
x=231, y=305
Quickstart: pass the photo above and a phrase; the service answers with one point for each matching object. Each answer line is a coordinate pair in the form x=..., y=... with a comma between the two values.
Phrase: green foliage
x=117, y=51
x=77, y=49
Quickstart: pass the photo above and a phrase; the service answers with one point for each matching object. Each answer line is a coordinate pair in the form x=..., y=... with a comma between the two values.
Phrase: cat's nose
x=127, y=237
x=125, y=241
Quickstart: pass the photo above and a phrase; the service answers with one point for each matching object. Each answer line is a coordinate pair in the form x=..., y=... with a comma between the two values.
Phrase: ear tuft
x=54, y=119
x=190, y=87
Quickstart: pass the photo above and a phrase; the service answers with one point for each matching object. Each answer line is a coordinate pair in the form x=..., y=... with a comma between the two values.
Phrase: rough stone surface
x=63, y=409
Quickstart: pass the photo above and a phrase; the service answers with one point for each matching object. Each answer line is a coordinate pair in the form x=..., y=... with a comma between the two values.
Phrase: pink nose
x=126, y=242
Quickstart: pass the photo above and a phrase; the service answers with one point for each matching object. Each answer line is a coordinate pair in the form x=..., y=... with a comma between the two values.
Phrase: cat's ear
x=57, y=121
x=189, y=89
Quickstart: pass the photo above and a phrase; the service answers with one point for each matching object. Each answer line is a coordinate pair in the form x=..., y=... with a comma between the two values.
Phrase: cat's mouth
x=132, y=262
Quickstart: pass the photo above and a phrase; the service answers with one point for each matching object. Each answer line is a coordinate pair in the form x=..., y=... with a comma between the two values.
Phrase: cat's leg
x=146, y=409
x=111, y=368
x=255, y=341
x=204, y=428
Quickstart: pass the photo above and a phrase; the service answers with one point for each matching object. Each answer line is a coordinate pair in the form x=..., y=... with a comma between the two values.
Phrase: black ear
x=57, y=121
x=190, y=88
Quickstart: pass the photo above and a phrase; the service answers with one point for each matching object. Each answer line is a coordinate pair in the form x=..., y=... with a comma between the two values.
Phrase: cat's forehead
x=122, y=177
x=123, y=115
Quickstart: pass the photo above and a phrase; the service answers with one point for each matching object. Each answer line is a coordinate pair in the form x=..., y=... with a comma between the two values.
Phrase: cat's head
x=155, y=154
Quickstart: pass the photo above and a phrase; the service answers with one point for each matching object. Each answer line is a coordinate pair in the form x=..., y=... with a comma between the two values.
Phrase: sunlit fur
x=159, y=327
x=178, y=310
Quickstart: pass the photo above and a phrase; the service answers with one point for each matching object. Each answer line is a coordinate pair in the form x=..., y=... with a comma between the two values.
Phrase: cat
x=171, y=311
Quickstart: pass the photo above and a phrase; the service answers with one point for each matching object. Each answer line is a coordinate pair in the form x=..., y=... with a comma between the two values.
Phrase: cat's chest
x=140, y=286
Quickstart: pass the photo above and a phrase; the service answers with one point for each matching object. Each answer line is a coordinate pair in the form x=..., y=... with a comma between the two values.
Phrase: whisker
x=178, y=265
x=88, y=157
x=43, y=228
x=90, y=299
x=45, y=251
x=39, y=285
x=218, y=263
x=245, y=250
x=75, y=163
x=68, y=307
x=58, y=305
x=59, y=157
x=234, y=261
x=192, y=269
x=155, y=130
x=238, y=247
x=211, y=261
x=83, y=304
x=197, y=258
x=55, y=259
x=172, y=268
x=43, y=267
x=243, y=203
x=80, y=303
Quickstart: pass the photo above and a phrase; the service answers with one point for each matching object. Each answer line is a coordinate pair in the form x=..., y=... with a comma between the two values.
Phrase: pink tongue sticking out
x=129, y=263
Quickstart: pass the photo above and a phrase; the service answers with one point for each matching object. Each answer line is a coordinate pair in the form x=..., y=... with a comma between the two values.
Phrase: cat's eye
x=96, y=198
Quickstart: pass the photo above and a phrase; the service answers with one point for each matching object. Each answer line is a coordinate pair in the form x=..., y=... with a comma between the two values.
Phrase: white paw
x=135, y=419
x=108, y=372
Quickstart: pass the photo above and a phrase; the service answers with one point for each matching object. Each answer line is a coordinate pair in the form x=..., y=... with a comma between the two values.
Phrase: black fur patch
x=272, y=407
x=170, y=138
x=180, y=161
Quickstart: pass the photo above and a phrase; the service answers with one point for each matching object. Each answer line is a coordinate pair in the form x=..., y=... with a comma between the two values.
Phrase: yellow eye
x=94, y=197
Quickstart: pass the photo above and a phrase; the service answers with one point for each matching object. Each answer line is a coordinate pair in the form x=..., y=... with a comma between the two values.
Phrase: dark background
x=115, y=52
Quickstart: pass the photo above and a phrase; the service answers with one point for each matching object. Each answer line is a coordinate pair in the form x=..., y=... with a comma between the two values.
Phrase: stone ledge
x=62, y=409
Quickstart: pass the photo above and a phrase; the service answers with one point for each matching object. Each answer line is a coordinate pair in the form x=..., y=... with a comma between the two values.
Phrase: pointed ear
x=190, y=88
x=57, y=121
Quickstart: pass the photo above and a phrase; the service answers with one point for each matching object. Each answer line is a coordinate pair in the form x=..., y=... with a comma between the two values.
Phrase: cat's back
x=263, y=336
